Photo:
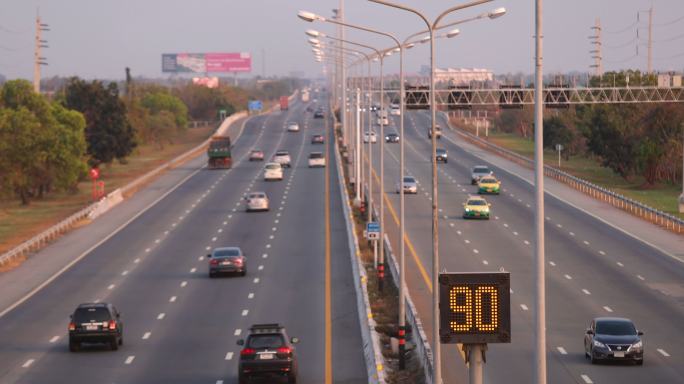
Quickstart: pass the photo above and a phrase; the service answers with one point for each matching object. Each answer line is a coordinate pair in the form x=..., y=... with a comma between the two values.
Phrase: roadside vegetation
x=632, y=149
x=48, y=142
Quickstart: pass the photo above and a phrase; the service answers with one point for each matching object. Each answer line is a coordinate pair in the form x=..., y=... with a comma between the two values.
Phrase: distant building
x=459, y=76
x=668, y=80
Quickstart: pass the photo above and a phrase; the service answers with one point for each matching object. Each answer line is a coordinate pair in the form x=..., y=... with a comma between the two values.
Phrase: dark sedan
x=391, y=138
x=227, y=260
x=615, y=339
x=317, y=139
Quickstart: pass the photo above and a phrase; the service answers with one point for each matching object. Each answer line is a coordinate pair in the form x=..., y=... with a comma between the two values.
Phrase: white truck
x=305, y=96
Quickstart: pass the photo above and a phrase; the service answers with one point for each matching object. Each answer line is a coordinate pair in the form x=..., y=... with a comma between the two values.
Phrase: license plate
x=91, y=327
x=226, y=263
x=266, y=356
x=619, y=354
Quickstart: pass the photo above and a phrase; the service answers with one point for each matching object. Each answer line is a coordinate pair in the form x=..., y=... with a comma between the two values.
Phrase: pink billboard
x=228, y=62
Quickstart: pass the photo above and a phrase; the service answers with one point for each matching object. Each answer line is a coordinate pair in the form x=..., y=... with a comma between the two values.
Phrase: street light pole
x=435, y=232
x=540, y=288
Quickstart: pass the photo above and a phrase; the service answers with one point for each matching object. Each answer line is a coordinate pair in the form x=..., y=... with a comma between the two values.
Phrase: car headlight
x=599, y=344
x=467, y=209
x=637, y=345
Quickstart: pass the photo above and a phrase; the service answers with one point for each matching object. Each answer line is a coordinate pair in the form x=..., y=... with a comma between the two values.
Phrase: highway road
x=593, y=269
x=181, y=326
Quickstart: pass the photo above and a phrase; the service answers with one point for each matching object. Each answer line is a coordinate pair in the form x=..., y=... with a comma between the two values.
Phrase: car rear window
x=265, y=341
x=282, y=153
x=481, y=170
x=257, y=196
x=615, y=328
x=273, y=166
x=488, y=181
x=409, y=180
x=441, y=151
x=227, y=252
x=477, y=202
x=316, y=155
x=87, y=315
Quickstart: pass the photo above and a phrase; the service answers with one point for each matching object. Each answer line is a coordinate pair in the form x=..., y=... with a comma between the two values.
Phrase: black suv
x=95, y=323
x=267, y=353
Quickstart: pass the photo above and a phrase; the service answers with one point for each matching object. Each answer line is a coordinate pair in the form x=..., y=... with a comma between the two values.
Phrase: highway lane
x=180, y=325
x=584, y=261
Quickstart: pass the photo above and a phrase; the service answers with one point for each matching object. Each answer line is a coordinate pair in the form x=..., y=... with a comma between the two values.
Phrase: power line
x=669, y=39
x=622, y=60
x=670, y=57
x=621, y=45
x=669, y=22
x=627, y=28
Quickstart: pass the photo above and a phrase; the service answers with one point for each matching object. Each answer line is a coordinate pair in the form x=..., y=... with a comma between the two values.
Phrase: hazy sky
x=99, y=38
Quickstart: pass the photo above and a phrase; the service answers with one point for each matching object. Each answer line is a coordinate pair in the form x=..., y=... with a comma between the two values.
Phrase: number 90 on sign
x=475, y=307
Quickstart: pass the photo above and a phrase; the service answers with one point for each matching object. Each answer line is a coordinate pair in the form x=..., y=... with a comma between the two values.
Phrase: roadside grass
x=19, y=223
x=662, y=196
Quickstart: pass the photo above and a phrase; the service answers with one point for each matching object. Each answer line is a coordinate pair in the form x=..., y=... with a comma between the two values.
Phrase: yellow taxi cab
x=488, y=184
x=476, y=207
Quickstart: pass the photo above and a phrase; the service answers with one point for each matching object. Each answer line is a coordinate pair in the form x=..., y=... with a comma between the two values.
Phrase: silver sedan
x=409, y=184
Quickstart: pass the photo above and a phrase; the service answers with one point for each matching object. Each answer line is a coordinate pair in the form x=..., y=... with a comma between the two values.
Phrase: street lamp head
x=409, y=46
x=314, y=41
x=309, y=16
x=312, y=33
x=425, y=39
x=497, y=13
x=397, y=49
x=453, y=33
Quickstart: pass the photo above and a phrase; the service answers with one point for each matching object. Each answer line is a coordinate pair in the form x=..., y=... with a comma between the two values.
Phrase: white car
x=273, y=171
x=316, y=159
x=370, y=136
x=257, y=201
x=282, y=158
x=409, y=184
x=395, y=110
x=293, y=127
x=383, y=120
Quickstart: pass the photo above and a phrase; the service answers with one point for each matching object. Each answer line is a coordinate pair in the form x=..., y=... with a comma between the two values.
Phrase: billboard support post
x=476, y=360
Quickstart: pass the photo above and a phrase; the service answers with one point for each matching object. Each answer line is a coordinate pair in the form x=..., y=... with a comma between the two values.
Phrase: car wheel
x=243, y=273
x=114, y=344
x=446, y=161
x=74, y=346
x=212, y=275
x=592, y=359
x=121, y=340
x=640, y=362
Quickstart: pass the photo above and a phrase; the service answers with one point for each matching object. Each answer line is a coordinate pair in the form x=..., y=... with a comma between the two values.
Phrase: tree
x=560, y=129
x=42, y=144
x=158, y=102
x=661, y=136
x=108, y=132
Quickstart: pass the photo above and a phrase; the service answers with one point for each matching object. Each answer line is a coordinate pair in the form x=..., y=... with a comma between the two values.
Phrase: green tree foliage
x=660, y=143
x=158, y=102
x=204, y=103
x=42, y=144
x=633, y=78
x=560, y=129
x=109, y=134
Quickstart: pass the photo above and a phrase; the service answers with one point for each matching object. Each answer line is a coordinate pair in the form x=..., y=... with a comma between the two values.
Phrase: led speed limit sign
x=475, y=308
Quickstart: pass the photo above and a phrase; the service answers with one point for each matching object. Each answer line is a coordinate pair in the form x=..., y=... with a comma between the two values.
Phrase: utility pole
x=650, y=41
x=596, y=53
x=38, y=60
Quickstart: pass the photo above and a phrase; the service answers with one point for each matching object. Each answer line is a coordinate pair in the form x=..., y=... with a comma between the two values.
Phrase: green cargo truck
x=219, y=153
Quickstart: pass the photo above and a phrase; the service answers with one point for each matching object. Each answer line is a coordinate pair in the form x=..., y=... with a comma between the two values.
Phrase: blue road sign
x=373, y=230
x=255, y=105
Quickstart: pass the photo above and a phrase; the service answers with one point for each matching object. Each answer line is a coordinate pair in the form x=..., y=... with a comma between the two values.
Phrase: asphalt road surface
x=179, y=325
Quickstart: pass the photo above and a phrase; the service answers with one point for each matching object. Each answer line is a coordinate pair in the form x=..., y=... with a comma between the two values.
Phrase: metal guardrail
x=43, y=238
x=615, y=199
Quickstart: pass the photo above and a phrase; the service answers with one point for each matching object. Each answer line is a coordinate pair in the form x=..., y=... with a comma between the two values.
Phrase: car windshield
x=273, y=166
x=316, y=155
x=488, y=181
x=256, y=151
x=476, y=202
x=87, y=315
x=409, y=180
x=282, y=153
x=265, y=341
x=481, y=170
x=257, y=196
x=227, y=252
x=615, y=328
x=441, y=151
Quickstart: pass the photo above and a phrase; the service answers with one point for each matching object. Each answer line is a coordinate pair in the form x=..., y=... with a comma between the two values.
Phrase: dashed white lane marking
x=245, y=312
x=111, y=286
x=28, y=363
x=485, y=262
x=526, y=242
x=271, y=237
x=602, y=253
x=620, y=264
x=451, y=224
x=54, y=339
x=261, y=267
x=277, y=221
x=515, y=233
x=559, y=226
x=268, y=245
x=586, y=379
x=166, y=232
x=213, y=238
x=237, y=332
x=265, y=255
x=193, y=270
x=230, y=216
x=548, y=218
x=157, y=241
x=136, y=261
x=146, y=335
x=476, y=251
x=446, y=217
x=234, y=210
x=124, y=273
x=572, y=233
x=511, y=289
x=568, y=277
x=172, y=299
x=161, y=316
x=519, y=201
x=608, y=309
x=663, y=352
x=496, y=217
x=552, y=263
x=562, y=350
x=129, y=359
x=586, y=242
x=524, y=307
x=200, y=258
x=225, y=223
x=147, y=250
x=586, y=292
x=256, y=280
x=96, y=301
x=208, y=248
x=281, y=208
x=184, y=283
x=220, y=230
x=250, y=296
x=528, y=206
x=467, y=241
x=229, y=356
x=505, y=225
x=458, y=232
x=640, y=277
